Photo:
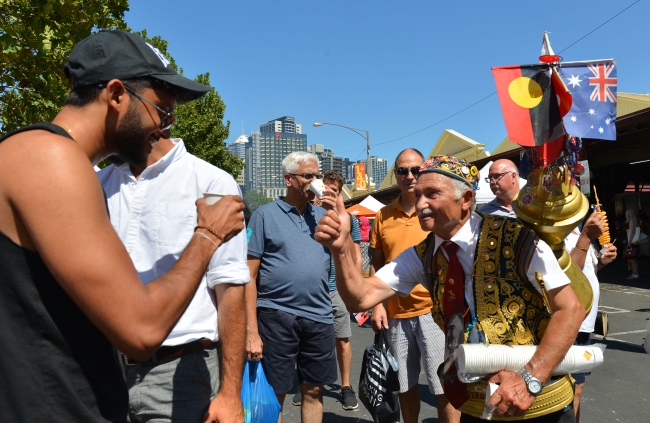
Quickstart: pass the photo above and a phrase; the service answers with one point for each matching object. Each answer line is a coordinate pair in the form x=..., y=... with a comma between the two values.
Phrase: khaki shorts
x=341, y=316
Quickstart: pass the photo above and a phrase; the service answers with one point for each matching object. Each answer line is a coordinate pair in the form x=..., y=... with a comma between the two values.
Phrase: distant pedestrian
x=364, y=228
x=579, y=245
x=503, y=177
x=289, y=310
x=632, y=228
x=334, y=184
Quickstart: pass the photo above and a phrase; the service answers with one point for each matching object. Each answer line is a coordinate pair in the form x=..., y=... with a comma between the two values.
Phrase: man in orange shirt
x=412, y=331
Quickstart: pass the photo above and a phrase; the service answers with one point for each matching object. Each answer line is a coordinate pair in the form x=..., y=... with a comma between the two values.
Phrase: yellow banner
x=360, y=176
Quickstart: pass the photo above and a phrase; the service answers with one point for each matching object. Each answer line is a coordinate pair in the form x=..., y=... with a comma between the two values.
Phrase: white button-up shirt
x=155, y=217
x=406, y=271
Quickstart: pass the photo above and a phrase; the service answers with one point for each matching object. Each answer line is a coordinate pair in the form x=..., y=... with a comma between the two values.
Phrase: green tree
x=36, y=37
x=254, y=199
x=200, y=124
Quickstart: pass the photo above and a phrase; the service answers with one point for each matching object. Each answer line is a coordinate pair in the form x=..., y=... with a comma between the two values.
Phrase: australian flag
x=593, y=88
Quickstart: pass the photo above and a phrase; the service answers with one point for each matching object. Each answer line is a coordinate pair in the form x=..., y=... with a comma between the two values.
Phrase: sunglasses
x=496, y=177
x=308, y=176
x=167, y=120
x=403, y=171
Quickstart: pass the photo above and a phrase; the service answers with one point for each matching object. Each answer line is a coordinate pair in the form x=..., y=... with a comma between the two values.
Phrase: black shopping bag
x=378, y=384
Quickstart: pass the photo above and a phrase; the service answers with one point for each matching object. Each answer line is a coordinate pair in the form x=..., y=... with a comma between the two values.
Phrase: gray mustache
x=425, y=212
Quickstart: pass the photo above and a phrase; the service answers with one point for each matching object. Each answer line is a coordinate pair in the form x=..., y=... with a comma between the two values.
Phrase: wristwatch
x=532, y=383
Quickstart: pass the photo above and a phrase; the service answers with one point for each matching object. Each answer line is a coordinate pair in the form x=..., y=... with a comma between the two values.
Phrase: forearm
x=152, y=315
x=250, y=305
x=232, y=334
x=578, y=254
x=358, y=293
x=358, y=259
x=560, y=334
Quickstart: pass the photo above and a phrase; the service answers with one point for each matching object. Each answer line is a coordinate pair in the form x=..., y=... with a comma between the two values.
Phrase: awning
x=359, y=210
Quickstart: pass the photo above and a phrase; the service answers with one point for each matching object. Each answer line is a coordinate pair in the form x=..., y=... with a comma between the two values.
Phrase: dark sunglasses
x=403, y=171
x=308, y=176
x=167, y=119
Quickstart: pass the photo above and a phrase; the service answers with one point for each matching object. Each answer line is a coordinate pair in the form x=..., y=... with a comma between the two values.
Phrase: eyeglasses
x=403, y=171
x=308, y=176
x=496, y=177
x=167, y=120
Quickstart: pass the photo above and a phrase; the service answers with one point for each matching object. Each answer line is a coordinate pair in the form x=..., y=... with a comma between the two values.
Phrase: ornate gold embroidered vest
x=509, y=310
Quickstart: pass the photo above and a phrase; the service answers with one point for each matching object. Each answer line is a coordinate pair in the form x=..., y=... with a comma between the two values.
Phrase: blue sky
x=392, y=68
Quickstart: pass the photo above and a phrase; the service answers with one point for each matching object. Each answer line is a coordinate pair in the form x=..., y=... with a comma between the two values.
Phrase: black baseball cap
x=122, y=55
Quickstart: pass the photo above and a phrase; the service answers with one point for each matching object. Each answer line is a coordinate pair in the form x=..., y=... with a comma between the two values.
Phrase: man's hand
x=379, y=318
x=334, y=228
x=224, y=217
x=609, y=256
x=254, y=346
x=225, y=409
x=512, y=398
x=594, y=226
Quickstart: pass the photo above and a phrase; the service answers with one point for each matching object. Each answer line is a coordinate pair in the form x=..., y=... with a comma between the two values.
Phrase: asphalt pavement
x=617, y=391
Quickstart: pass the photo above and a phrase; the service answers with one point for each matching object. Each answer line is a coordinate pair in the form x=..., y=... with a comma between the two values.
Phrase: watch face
x=535, y=386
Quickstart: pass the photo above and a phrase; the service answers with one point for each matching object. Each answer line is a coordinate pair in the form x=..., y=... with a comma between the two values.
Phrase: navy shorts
x=584, y=338
x=291, y=340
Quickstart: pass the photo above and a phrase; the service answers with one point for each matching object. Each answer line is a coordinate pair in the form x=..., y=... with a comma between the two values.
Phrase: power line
x=440, y=121
x=488, y=96
x=594, y=30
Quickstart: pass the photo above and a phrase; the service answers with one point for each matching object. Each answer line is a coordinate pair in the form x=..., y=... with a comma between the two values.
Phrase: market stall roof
x=359, y=210
x=371, y=203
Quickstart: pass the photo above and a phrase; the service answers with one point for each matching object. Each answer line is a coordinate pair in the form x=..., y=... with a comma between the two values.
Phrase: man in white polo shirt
x=152, y=209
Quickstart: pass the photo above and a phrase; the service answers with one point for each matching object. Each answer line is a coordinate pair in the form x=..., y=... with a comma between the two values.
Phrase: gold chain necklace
x=68, y=130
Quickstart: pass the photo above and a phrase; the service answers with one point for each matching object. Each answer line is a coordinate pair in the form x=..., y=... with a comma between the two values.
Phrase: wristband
x=212, y=231
x=206, y=237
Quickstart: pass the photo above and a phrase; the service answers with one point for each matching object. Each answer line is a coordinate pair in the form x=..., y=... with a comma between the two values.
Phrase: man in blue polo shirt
x=289, y=310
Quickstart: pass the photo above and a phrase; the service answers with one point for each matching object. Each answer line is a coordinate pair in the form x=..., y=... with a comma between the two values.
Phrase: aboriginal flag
x=533, y=100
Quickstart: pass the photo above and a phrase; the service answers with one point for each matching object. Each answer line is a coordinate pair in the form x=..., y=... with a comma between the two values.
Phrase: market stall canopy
x=372, y=203
x=359, y=210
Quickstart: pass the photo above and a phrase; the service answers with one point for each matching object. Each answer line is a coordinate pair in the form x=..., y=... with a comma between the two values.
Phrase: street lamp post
x=367, y=138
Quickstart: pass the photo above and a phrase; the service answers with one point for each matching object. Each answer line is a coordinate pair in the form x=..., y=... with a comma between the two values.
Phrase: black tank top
x=55, y=365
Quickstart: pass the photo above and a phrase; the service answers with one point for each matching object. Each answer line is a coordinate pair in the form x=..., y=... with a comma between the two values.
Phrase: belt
x=174, y=351
x=554, y=397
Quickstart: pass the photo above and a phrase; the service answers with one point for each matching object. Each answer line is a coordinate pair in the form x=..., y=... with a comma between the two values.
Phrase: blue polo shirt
x=294, y=268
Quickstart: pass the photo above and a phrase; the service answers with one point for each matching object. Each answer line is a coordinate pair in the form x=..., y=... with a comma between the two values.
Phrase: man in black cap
x=69, y=288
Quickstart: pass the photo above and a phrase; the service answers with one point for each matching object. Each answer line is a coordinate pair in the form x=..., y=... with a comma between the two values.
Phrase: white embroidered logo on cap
x=162, y=58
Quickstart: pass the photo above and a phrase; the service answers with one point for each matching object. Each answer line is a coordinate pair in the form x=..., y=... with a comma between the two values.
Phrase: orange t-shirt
x=394, y=231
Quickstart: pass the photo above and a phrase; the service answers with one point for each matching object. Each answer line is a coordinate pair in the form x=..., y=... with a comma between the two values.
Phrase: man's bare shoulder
x=34, y=153
x=41, y=176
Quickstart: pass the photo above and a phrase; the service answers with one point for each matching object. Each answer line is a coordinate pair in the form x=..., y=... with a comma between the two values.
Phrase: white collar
x=172, y=155
x=465, y=235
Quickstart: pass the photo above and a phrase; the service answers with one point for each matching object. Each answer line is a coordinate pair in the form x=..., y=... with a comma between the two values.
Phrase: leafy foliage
x=255, y=199
x=36, y=37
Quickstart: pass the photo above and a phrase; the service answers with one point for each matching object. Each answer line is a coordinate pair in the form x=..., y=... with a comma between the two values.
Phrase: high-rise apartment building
x=378, y=170
x=238, y=148
x=329, y=160
x=265, y=151
x=284, y=124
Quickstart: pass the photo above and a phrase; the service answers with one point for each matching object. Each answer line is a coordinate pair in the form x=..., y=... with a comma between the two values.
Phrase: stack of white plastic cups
x=482, y=360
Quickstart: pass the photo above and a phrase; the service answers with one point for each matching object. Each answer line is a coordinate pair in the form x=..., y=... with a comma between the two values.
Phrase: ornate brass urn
x=552, y=206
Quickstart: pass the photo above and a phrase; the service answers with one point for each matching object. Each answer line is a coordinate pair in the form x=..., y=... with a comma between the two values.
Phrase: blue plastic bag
x=259, y=401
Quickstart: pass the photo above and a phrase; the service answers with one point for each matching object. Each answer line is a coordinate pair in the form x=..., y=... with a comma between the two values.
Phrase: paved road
x=618, y=391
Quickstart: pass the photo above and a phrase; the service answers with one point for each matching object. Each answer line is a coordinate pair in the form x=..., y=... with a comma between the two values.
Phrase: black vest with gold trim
x=509, y=310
